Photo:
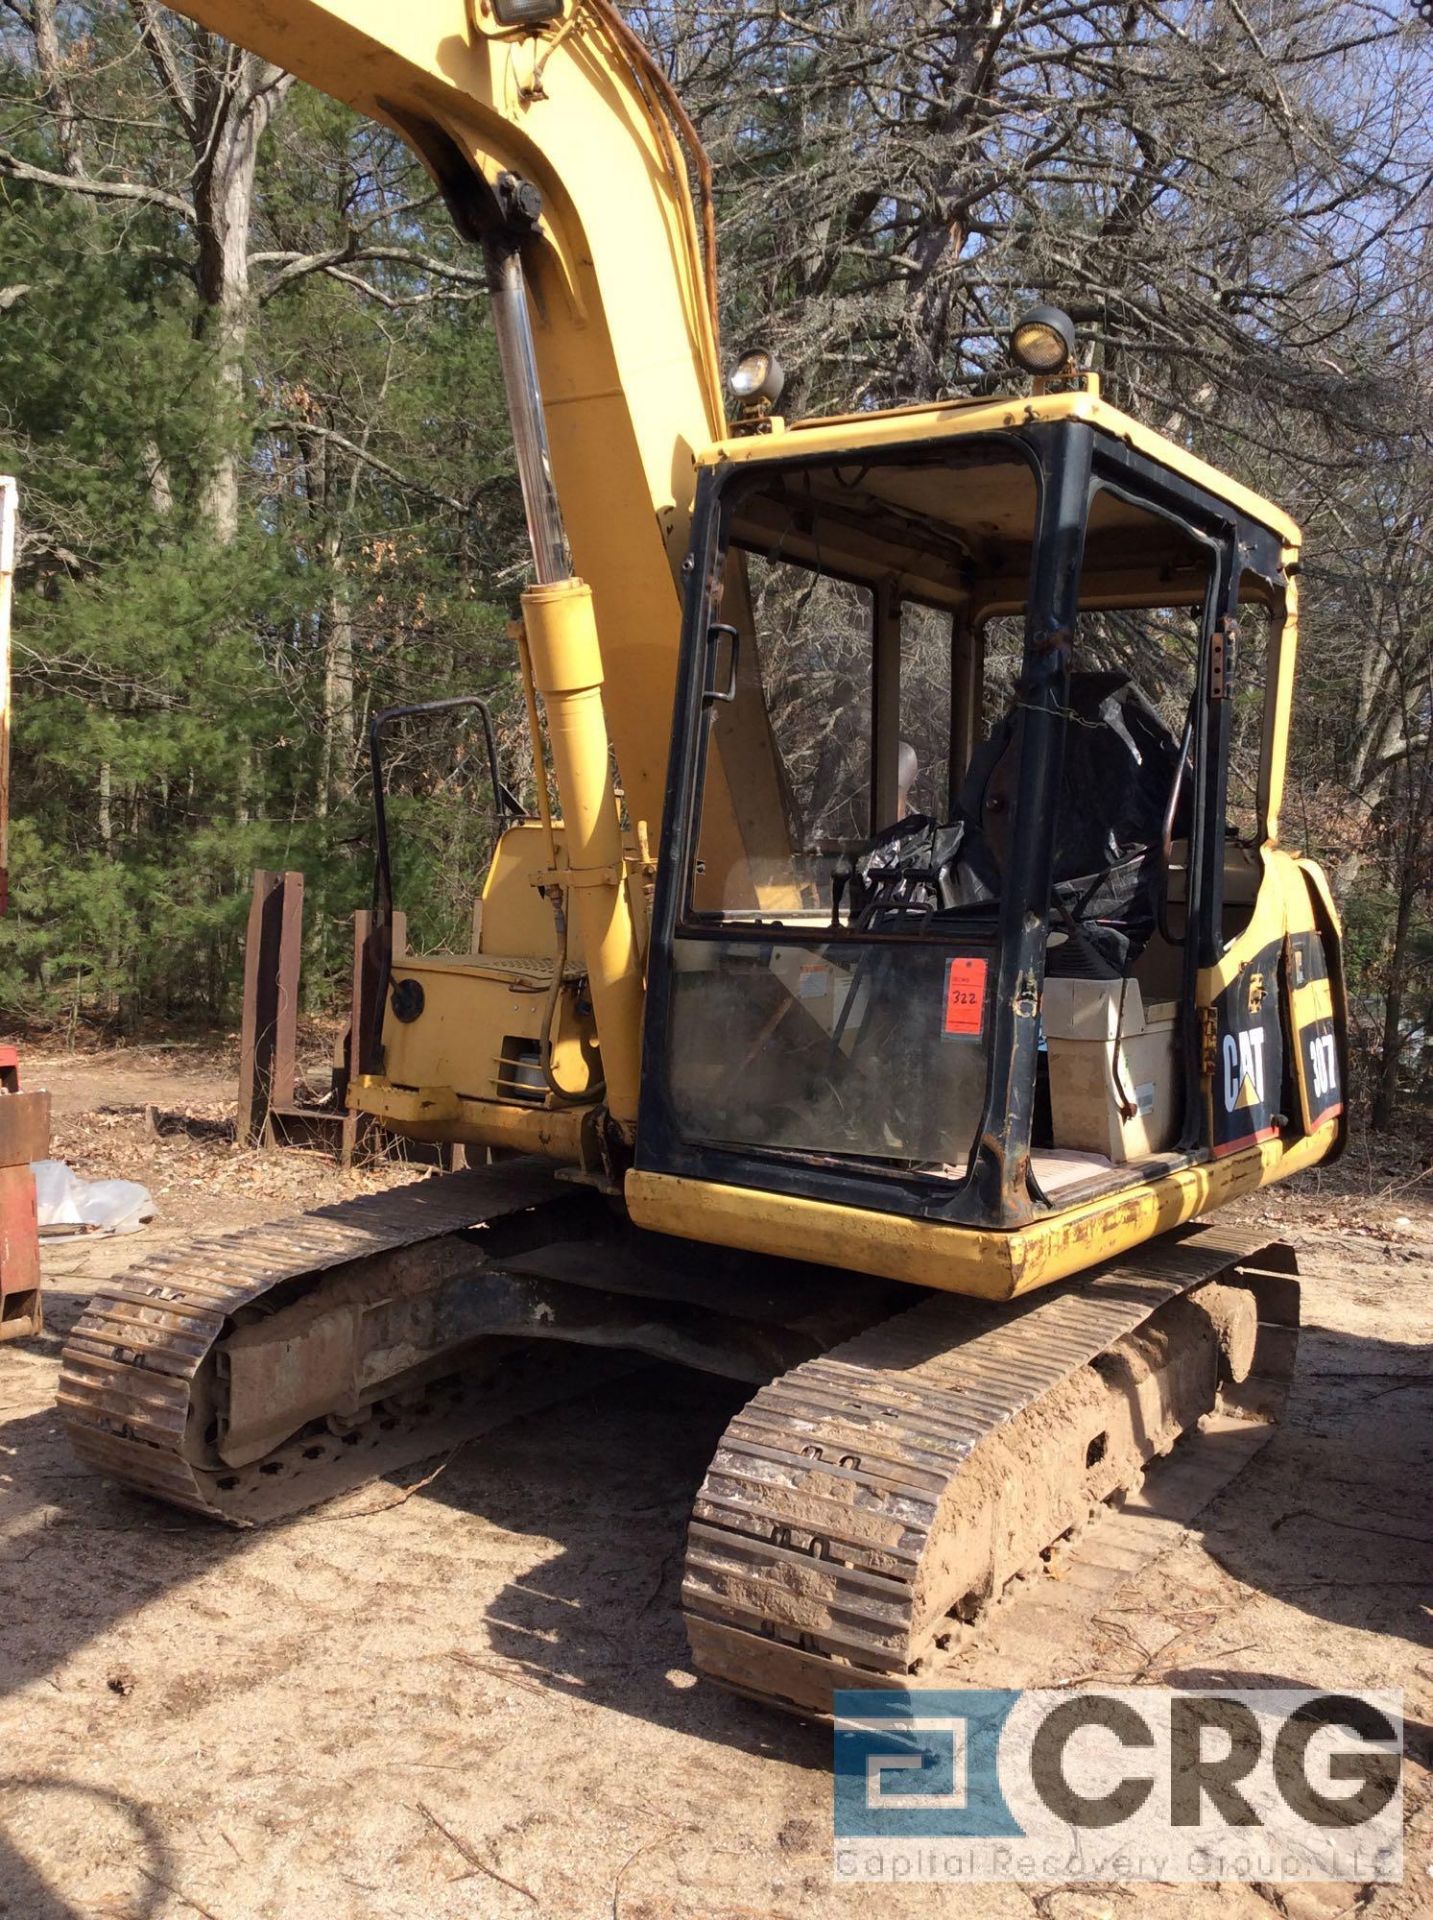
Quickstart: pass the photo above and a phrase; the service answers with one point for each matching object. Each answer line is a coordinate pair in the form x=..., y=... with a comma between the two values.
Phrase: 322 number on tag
x=965, y=997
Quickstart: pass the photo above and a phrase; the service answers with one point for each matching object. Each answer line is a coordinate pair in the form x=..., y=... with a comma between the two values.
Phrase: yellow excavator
x=907, y=962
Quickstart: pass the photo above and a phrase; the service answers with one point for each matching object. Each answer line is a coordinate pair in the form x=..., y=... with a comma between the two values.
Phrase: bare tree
x=1207, y=188
x=141, y=108
x=221, y=101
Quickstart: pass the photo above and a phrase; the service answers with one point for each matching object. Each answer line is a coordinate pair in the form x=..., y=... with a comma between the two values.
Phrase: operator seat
x=1119, y=770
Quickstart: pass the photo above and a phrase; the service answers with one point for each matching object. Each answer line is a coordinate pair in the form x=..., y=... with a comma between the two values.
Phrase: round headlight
x=757, y=377
x=1043, y=340
x=526, y=13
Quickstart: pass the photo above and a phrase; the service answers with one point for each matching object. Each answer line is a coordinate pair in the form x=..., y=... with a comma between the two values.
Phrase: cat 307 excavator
x=908, y=964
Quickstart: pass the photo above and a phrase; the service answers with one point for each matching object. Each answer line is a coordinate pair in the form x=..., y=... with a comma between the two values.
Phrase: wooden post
x=268, y=1039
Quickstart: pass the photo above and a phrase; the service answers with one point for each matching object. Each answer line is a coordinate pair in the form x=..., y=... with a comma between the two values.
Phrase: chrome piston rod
x=551, y=556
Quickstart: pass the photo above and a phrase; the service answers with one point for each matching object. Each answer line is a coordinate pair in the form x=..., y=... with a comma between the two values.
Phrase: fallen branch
x=630, y=1861
x=406, y=1495
x=474, y=1860
x=499, y=1672
x=1352, y=1526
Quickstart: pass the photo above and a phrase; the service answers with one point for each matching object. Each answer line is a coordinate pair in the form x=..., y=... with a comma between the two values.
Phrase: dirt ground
x=475, y=1702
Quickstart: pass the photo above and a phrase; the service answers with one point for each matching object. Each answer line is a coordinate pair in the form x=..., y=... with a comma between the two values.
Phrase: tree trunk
x=156, y=479
x=235, y=97
x=338, y=727
x=109, y=996
x=1385, y=1097
x=50, y=63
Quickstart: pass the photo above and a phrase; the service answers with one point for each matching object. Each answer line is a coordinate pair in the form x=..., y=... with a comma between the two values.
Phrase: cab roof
x=909, y=427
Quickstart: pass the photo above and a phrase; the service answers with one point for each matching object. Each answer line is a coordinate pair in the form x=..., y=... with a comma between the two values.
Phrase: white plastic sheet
x=89, y=1206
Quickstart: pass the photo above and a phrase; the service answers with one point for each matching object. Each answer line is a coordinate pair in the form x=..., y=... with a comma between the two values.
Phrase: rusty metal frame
x=268, y=1037
x=270, y=1112
x=24, y=1137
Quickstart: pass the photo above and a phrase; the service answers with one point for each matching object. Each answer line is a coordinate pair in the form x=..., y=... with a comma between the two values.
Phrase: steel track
x=135, y=1368
x=820, y=1550
x=815, y=1554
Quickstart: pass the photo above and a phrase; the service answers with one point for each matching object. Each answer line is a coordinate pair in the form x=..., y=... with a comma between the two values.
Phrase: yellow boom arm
x=621, y=303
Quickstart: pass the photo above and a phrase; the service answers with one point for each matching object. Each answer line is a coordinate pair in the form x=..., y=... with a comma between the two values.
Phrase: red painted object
x=24, y=1136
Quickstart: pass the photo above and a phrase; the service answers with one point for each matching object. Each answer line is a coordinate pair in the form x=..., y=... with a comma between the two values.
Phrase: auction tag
x=965, y=996
x=815, y=981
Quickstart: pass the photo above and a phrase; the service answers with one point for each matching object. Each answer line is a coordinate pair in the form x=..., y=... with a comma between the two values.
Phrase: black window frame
x=1071, y=460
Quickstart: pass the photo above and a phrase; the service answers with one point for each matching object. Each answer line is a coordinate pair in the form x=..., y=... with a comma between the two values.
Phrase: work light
x=527, y=13
x=757, y=379
x=1043, y=340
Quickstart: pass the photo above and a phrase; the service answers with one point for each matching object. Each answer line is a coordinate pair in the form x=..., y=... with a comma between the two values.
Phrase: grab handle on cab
x=714, y=637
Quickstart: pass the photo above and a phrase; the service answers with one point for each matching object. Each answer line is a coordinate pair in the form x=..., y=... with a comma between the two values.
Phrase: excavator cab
x=979, y=733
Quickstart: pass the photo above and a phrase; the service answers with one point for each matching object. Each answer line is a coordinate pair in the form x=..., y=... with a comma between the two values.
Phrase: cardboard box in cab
x=1114, y=1068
